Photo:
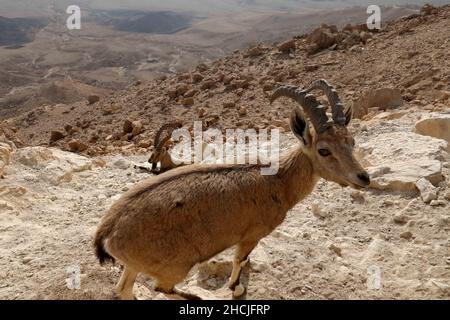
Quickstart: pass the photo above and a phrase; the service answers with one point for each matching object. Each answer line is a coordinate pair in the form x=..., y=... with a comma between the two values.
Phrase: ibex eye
x=324, y=152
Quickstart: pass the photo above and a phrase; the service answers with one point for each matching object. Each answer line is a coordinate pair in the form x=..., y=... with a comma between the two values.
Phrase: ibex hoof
x=238, y=291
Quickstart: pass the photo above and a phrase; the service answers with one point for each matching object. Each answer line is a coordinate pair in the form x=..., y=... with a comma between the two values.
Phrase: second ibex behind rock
x=160, y=153
x=167, y=224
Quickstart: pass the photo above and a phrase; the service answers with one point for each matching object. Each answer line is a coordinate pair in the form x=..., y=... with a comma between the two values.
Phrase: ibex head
x=330, y=145
x=159, y=150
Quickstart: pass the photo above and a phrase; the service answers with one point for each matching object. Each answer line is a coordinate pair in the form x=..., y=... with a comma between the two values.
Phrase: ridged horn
x=170, y=128
x=337, y=109
x=313, y=109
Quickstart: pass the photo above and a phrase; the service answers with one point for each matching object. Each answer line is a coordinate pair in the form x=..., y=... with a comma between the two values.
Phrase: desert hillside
x=117, y=47
x=64, y=164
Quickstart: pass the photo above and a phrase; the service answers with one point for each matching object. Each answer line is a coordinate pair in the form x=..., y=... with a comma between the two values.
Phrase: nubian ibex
x=160, y=153
x=167, y=224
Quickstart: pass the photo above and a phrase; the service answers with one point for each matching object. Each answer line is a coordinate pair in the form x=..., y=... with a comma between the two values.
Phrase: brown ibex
x=167, y=224
x=160, y=152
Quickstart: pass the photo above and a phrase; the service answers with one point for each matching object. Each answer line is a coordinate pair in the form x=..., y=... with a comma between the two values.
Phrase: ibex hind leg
x=125, y=286
x=241, y=258
x=166, y=285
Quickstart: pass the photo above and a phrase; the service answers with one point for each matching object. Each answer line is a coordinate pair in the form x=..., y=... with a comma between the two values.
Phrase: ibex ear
x=300, y=126
x=348, y=115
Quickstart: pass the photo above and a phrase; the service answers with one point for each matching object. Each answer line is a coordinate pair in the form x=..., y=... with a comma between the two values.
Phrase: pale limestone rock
x=33, y=157
x=403, y=176
x=400, y=218
x=438, y=203
x=397, y=159
x=438, y=126
x=5, y=156
x=427, y=190
x=318, y=211
x=390, y=115
x=52, y=165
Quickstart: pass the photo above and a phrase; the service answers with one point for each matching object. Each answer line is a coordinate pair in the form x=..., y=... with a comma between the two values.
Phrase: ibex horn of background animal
x=160, y=141
x=168, y=128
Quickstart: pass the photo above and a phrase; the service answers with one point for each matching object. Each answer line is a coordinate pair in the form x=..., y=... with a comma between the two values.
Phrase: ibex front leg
x=241, y=258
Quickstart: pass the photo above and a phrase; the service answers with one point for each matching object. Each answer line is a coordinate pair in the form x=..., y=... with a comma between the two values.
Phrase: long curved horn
x=313, y=109
x=337, y=109
x=171, y=127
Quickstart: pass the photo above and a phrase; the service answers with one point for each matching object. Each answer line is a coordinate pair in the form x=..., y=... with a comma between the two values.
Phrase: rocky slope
x=409, y=56
x=329, y=247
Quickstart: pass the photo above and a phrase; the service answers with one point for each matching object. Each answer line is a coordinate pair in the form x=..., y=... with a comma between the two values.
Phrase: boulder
x=255, y=51
x=396, y=159
x=197, y=77
x=7, y=147
x=242, y=111
x=287, y=46
x=77, y=146
x=52, y=165
x=320, y=39
x=428, y=9
x=93, y=99
x=180, y=90
x=365, y=36
x=5, y=156
x=427, y=190
x=136, y=128
x=56, y=136
x=127, y=126
x=383, y=99
x=10, y=136
x=438, y=126
x=386, y=115
x=209, y=84
x=402, y=176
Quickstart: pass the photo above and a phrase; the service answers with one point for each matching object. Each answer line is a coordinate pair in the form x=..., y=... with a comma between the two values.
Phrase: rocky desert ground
x=63, y=165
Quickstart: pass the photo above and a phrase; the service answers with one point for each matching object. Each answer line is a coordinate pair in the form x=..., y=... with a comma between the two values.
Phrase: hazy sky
x=39, y=7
